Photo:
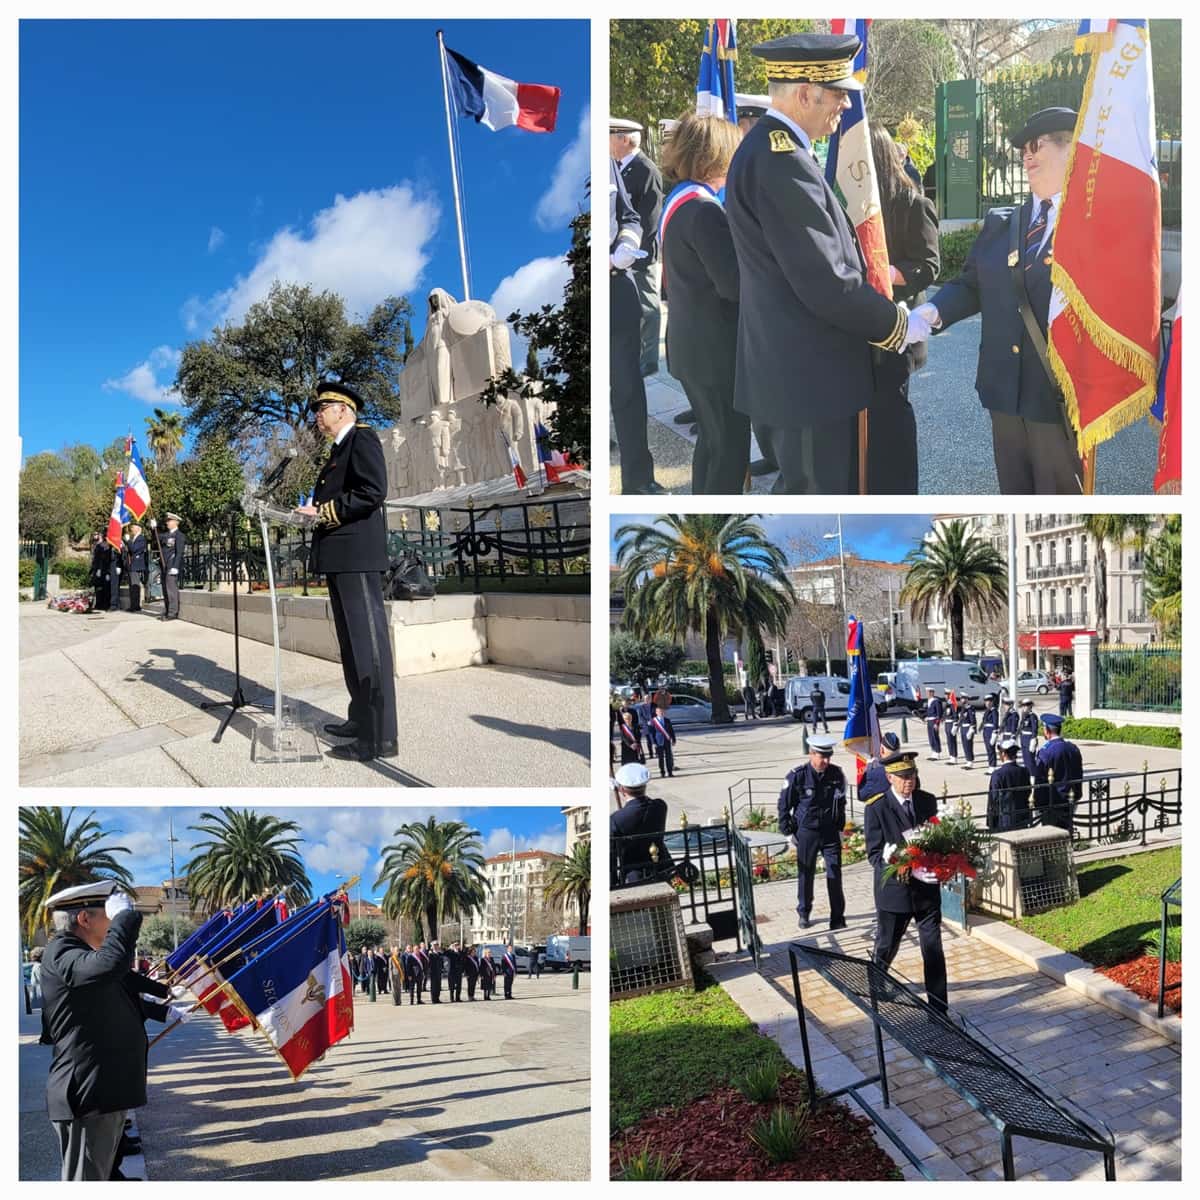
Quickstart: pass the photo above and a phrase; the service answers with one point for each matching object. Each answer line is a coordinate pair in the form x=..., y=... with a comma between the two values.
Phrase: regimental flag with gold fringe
x=862, y=720
x=851, y=166
x=1103, y=330
x=1168, y=478
x=714, y=85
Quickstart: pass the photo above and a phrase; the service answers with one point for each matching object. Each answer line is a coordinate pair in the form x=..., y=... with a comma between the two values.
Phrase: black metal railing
x=40, y=553
x=1137, y=616
x=698, y=859
x=1147, y=678
x=1052, y=521
x=1118, y=807
x=1172, y=897
x=1071, y=566
x=1065, y=620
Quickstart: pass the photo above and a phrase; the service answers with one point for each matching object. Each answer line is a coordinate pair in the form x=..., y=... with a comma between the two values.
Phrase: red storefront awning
x=1051, y=639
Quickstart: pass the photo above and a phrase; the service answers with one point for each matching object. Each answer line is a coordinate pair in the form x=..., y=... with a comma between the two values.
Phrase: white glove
x=118, y=902
x=924, y=876
x=888, y=851
x=178, y=992
x=173, y=571
x=918, y=330
x=180, y=1012
x=625, y=255
x=793, y=841
x=929, y=314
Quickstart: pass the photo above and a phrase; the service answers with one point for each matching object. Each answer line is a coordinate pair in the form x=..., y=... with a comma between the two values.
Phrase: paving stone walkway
x=1108, y=1065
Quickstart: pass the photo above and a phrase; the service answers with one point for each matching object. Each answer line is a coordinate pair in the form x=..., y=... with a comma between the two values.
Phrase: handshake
x=922, y=321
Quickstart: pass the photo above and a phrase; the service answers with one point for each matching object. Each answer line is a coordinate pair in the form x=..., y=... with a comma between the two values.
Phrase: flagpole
x=462, y=242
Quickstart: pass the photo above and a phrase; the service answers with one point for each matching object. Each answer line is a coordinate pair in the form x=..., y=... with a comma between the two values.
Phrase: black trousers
x=889, y=933
x=626, y=388
x=471, y=981
x=817, y=460
x=818, y=714
x=968, y=746
x=891, y=430
x=135, y=591
x=989, y=744
x=811, y=843
x=646, y=281
x=171, y=593
x=666, y=759
x=508, y=982
x=360, y=620
x=722, y=452
x=455, y=986
x=1035, y=457
x=762, y=435
x=935, y=741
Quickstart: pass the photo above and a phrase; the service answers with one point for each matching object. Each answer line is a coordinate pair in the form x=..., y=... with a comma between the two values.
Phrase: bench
x=1015, y=1105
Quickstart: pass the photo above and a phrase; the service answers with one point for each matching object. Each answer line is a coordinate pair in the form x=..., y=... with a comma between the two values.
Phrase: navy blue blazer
x=1010, y=377
x=807, y=315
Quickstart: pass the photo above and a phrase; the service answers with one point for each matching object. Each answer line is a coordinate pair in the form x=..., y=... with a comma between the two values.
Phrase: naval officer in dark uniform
x=1008, y=791
x=991, y=731
x=93, y=1019
x=807, y=317
x=812, y=812
x=349, y=548
x=886, y=818
x=1027, y=735
x=643, y=181
x=1060, y=758
x=173, y=547
x=1007, y=271
x=637, y=826
x=139, y=566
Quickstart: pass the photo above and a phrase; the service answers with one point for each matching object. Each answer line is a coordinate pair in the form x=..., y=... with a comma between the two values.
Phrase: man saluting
x=350, y=549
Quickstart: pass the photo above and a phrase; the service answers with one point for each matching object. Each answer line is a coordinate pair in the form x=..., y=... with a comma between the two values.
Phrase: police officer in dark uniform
x=817, y=699
x=640, y=823
x=173, y=546
x=1006, y=277
x=933, y=721
x=644, y=184
x=1008, y=791
x=627, y=389
x=812, y=812
x=886, y=818
x=1066, y=693
x=804, y=296
x=991, y=730
x=94, y=1021
x=349, y=548
x=1027, y=735
x=139, y=566
x=1058, y=757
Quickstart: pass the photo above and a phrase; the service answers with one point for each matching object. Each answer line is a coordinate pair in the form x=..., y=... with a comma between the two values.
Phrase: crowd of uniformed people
x=422, y=971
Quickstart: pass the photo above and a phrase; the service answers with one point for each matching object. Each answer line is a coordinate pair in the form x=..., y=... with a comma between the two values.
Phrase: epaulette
x=872, y=799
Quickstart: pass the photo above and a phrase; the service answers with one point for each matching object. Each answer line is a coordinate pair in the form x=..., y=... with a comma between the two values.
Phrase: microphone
x=278, y=470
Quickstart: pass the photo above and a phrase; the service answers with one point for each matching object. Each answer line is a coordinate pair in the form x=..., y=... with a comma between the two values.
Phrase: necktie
x=908, y=814
x=1037, y=230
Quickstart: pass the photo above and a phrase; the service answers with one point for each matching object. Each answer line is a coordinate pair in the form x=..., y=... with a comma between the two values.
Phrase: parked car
x=1029, y=682
x=688, y=710
x=885, y=691
x=799, y=689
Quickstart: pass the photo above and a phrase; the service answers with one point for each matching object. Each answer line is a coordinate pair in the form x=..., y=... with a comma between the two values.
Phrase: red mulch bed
x=712, y=1138
x=1140, y=976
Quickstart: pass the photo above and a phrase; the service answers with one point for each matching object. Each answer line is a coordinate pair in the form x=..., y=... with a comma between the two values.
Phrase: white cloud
x=500, y=841
x=364, y=247
x=142, y=382
x=215, y=237
x=336, y=852
x=564, y=197
x=530, y=286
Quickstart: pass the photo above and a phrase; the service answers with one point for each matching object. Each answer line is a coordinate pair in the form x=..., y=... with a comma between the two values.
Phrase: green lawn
x=669, y=1048
x=1119, y=904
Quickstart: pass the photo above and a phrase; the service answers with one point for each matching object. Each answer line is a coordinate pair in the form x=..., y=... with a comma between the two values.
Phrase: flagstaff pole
x=462, y=241
x=1012, y=607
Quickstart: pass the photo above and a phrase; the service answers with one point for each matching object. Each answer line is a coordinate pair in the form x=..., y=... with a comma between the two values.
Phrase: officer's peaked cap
x=342, y=393
x=826, y=58
x=84, y=895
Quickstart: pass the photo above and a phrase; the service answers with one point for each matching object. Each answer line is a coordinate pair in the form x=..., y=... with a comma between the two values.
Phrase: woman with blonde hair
x=700, y=281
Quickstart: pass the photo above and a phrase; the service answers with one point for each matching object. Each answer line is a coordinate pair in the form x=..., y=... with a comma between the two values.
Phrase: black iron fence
x=1117, y=807
x=542, y=542
x=698, y=859
x=39, y=553
x=1148, y=678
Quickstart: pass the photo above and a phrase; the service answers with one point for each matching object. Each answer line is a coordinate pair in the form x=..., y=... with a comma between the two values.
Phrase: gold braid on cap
x=827, y=71
x=899, y=768
x=337, y=398
x=896, y=338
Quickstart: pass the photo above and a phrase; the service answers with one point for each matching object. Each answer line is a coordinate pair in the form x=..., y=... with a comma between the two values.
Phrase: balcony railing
x=1138, y=616
x=1052, y=521
x=1067, y=620
x=1072, y=566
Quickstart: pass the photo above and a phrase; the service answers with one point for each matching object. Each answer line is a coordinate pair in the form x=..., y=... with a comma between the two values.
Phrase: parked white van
x=914, y=679
x=799, y=688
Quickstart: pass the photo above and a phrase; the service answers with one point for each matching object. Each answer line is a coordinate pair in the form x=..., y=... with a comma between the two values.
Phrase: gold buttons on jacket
x=1016, y=349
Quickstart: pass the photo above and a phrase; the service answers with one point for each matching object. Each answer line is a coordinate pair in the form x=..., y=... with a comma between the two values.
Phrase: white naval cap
x=1008, y=742
x=84, y=895
x=633, y=775
x=824, y=743
x=623, y=125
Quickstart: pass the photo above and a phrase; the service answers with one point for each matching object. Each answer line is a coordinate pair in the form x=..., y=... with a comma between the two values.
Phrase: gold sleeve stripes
x=899, y=334
x=327, y=514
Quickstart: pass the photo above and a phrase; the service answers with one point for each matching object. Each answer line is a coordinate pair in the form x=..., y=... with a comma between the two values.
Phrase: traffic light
x=770, y=657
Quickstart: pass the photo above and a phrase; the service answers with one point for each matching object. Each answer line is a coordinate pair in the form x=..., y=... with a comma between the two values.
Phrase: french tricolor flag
x=137, y=491
x=117, y=518
x=518, y=470
x=496, y=101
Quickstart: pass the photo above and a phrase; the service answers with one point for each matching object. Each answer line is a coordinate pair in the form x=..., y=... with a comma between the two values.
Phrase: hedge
x=25, y=571
x=71, y=572
x=1098, y=730
x=954, y=248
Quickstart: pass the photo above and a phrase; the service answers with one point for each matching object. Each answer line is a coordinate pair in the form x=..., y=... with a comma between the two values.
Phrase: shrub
x=71, y=572
x=781, y=1135
x=761, y=1082
x=25, y=572
x=1174, y=947
x=954, y=247
x=1098, y=730
x=646, y=1167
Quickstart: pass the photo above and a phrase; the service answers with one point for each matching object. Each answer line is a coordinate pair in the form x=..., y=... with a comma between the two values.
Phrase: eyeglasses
x=1032, y=146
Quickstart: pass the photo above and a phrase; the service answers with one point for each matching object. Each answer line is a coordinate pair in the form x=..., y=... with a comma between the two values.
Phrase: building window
x=1039, y=595
x=1067, y=550
x=1067, y=603
x=1028, y=603
x=1083, y=547
x=1038, y=552
x=1053, y=603
x=1083, y=604
x=1053, y=553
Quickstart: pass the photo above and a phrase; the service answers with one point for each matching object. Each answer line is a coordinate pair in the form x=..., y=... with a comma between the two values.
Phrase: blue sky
x=887, y=538
x=169, y=170
x=335, y=838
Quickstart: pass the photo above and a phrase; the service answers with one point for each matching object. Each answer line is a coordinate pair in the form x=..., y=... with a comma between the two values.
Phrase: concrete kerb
x=1074, y=973
x=833, y=1069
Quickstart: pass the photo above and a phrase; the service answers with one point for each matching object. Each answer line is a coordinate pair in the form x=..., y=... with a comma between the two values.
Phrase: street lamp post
x=841, y=563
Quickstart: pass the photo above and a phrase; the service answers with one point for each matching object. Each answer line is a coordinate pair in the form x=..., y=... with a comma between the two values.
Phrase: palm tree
x=570, y=882
x=1121, y=529
x=247, y=854
x=707, y=573
x=52, y=855
x=1164, y=577
x=164, y=432
x=434, y=873
x=959, y=573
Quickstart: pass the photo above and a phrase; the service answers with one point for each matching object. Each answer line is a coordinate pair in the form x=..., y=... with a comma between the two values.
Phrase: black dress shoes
x=346, y=729
x=364, y=751
x=684, y=418
x=762, y=466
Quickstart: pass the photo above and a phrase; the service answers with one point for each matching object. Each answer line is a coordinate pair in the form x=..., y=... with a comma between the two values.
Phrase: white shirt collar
x=805, y=140
x=628, y=159
x=1051, y=215
x=899, y=799
x=343, y=433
